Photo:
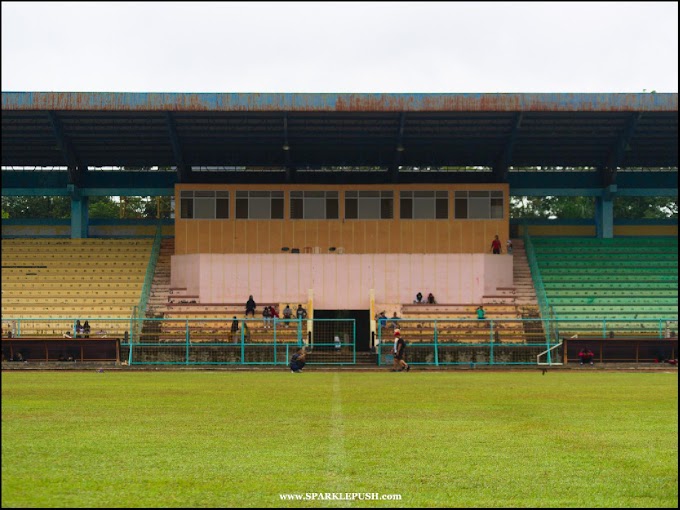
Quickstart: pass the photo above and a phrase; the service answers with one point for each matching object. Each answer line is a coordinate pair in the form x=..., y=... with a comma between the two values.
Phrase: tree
x=584, y=207
x=103, y=208
x=37, y=207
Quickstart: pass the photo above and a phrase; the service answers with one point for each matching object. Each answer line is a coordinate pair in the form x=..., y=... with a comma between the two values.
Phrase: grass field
x=242, y=439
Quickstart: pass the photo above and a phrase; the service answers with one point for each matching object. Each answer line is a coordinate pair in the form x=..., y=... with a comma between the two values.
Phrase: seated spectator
x=301, y=313
x=86, y=329
x=419, y=298
x=67, y=334
x=298, y=361
x=273, y=313
x=381, y=318
x=287, y=314
x=395, y=320
x=586, y=355
x=430, y=299
x=481, y=314
x=250, y=306
x=102, y=333
x=266, y=317
x=79, y=329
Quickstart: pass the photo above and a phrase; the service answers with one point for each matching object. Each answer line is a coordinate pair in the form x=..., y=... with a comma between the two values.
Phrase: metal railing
x=437, y=342
x=541, y=295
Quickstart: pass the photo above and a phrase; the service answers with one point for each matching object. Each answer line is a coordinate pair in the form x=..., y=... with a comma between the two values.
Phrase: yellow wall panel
x=215, y=229
x=355, y=236
x=646, y=230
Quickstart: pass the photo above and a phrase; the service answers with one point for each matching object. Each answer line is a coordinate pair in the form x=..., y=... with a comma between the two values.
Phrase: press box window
x=204, y=205
x=259, y=205
x=369, y=205
x=478, y=205
x=424, y=205
x=314, y=205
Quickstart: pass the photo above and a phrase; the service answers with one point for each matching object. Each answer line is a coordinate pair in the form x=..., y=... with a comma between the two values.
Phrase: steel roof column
x=604, y=213
x=79, y=213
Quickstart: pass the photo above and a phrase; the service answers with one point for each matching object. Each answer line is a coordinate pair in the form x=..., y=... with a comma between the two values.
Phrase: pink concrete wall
x=341, y=281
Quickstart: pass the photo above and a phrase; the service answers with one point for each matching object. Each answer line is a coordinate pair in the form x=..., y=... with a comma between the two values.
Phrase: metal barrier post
x=274, y=341
x=243, y=349
x=491, y=331
x=547, y=338
x=354, y=342
x=436, y=344
x=186, y=338
x=604, y=328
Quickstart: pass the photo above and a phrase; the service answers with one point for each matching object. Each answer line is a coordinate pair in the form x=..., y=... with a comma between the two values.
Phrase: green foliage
x=584, y=207
x=37, y=207
x=546, y=207
x=645, y=207
x=576, y=438
x=103, y=207
x=98, y=207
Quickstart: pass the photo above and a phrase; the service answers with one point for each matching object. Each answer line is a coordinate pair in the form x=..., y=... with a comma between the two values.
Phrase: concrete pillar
x=79, y=216
x=604, y=216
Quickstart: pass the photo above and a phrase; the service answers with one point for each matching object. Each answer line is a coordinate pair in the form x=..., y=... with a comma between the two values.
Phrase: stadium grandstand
x=348, y=205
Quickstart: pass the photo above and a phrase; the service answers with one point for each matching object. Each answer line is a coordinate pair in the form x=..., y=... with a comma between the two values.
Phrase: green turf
x=235, y=439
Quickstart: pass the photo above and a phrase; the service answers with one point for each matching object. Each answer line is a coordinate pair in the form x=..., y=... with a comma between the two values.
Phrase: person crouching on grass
x=298, y=360
x=399, y=353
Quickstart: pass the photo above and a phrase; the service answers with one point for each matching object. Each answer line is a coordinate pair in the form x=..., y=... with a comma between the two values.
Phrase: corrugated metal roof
x=271, y=102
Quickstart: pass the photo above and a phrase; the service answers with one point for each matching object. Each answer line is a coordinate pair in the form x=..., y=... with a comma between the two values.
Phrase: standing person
x=234, y=330
x=496, y=245
x=79, y=329
x=250, y=306
x=430, y=299
x=86, y=329
x=399, y=353
x=298, y=361
x=508, y=246
x=301, y=313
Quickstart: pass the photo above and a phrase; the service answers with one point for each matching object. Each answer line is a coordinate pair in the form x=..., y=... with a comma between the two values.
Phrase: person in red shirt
x=496, y=245
x=586, y=356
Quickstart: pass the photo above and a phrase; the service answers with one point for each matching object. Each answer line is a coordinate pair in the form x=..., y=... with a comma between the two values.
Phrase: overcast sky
x=340, y=47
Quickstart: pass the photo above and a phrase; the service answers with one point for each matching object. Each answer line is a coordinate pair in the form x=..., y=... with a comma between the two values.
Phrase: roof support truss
x=183, y=170
x=75, y=168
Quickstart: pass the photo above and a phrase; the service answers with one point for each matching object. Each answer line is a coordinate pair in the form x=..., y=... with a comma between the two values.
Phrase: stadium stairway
x=160, y=286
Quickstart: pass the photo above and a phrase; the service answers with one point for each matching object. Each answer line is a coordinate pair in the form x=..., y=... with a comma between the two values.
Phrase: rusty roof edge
x=341, y=102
